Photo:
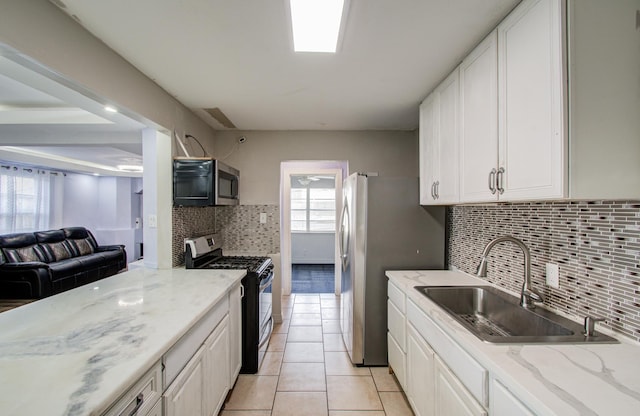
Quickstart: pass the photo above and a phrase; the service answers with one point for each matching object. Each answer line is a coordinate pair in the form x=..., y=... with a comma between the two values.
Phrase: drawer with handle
x=142, y=397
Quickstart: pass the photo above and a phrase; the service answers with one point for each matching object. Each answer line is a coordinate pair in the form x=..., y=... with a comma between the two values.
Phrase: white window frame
x=308, y=210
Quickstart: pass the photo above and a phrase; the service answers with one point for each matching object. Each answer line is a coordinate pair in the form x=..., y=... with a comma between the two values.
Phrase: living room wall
x=108, y=206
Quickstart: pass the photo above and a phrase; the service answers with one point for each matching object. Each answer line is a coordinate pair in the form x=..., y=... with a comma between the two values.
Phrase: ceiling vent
x=220, y=117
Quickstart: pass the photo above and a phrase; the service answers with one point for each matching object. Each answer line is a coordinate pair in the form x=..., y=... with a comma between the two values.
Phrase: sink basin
x=496, y=317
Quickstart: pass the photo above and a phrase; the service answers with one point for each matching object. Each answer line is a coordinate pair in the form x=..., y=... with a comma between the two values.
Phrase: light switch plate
x=263, y=218
x=553, y=275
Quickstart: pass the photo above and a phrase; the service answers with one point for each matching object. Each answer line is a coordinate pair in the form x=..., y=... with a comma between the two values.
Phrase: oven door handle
x=267, y=283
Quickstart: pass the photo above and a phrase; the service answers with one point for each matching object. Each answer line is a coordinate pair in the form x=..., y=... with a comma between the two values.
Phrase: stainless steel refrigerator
x=382, y=227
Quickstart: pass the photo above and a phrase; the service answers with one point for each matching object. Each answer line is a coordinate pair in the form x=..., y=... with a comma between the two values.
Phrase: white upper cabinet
x=428, y=149
x=512, y=129
x=548, y=109
x=531, y=127
x=439, y=144
x=479, y=122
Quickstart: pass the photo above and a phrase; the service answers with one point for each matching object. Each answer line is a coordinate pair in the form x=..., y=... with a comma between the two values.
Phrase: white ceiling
x=45, y=123
x=237, y=55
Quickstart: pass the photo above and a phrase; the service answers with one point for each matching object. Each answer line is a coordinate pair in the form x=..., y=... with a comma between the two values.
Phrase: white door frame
x=338, y=169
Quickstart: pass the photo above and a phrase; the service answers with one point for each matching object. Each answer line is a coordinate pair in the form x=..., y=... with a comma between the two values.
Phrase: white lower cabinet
x=216, y=366
x=156, y=411
x=200, y=386
x=397, y=360
x=203, y=384
x=504, y=403
x=185, y=396
x=451, y=397
x=396, y=335
x=438, y=376
x=420, y=374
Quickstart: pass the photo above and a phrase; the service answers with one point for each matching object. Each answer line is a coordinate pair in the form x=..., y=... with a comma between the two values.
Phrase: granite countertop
x=553, y=379
x=76, y=352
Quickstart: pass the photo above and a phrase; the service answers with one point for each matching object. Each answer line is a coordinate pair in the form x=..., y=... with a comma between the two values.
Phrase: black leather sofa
x=41, y=264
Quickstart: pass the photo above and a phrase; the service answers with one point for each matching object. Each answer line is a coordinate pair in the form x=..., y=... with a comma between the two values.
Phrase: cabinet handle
x=500, y=180
x=437, y=189
x=139, y=403
x=433, y=190
x=241, y=291
x=492, y=181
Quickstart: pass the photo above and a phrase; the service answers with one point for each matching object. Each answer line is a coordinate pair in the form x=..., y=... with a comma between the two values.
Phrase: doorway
x=310, y=201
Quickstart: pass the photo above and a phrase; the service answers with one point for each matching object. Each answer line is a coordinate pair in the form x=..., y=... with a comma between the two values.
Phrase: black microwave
x=201, y=182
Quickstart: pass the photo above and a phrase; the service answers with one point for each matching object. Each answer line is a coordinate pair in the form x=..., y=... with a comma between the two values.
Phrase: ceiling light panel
x=316, y=24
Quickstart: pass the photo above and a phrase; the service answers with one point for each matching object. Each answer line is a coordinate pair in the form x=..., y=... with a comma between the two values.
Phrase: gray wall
x=313, y=248
x=387, y=152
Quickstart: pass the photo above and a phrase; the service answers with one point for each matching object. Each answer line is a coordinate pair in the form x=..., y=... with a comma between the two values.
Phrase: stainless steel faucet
x=528, y=295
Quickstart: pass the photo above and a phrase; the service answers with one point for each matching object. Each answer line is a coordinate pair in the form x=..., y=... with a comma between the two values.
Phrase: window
x=24, y=200
x=313, y=209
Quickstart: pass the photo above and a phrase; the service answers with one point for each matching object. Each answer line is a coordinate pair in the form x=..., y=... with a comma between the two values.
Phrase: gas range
x=257, y=322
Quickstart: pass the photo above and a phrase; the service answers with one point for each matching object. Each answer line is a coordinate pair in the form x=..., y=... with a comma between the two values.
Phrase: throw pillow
x=84, y=247
x=27, y=254
x=59, y=251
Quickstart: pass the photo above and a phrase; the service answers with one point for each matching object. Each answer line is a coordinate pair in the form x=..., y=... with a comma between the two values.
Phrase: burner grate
x=252, y=264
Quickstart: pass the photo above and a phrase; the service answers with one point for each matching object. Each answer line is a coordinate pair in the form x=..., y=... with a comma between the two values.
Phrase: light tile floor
x=306, y=370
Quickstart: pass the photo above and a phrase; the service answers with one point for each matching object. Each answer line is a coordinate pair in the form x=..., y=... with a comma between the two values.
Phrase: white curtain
x=25, y=199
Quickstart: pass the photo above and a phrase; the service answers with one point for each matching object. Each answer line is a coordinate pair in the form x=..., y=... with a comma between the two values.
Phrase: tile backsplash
x=242, y=231
x=238, y=226
x=190, y=222
x=596, y=245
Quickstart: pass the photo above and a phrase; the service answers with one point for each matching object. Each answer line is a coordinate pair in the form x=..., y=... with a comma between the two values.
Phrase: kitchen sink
x=496, y=317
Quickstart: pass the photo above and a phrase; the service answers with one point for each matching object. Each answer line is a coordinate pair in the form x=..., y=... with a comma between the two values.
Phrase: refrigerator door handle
x=344, y=235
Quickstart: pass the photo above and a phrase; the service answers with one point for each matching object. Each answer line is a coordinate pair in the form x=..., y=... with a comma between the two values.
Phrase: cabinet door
x=479, y=122
x=447, y=184
x=397, y=361
x=504, y=403
x=451, y=397
x=397, y=324
x=185, y=395
x=156, y=411
x=428, y=149
x=420, y=374
x=216, y=368
x=531, y=102
x=235, y=333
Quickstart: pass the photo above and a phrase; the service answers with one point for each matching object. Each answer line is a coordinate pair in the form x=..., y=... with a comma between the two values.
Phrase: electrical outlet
x=553, y=275
x=153, y=221
x=263, y=218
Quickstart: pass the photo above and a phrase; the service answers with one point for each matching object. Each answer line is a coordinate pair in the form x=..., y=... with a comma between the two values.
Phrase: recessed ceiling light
x=110, y=109
x=316, y=24
x=130, y=168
